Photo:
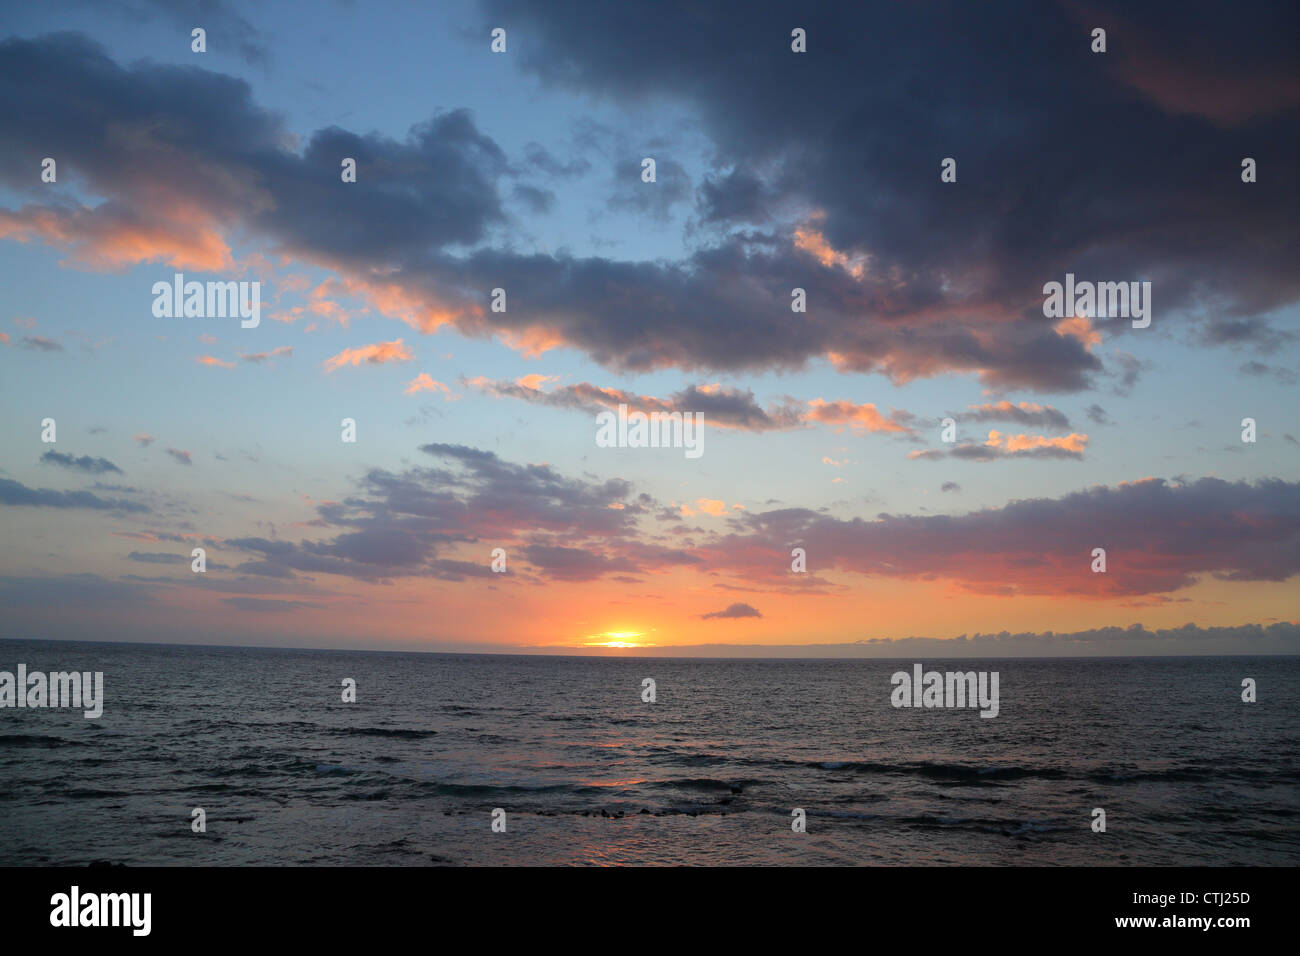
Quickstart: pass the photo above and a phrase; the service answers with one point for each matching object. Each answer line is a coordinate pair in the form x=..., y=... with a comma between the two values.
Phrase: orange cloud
x=290, y=315
x=1078, y=327
x=810, y=240
x=1014, y=443
x=415, y=307
x=213, y=361
x=535, y=381
x=378, y=354
x=864, y=417
x=424, y=383
x=184, y=237
x=531, y=342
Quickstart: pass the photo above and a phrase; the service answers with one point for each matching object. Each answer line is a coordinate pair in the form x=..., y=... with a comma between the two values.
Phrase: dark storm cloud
x=172, y=140
x=1117, y=165
x=436, y=188
x=737, y=197
x=723, y=307
x=1067, y=161
x=728, y=308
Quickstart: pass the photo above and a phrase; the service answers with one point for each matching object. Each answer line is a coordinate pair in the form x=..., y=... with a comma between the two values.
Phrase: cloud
x=1130, y=369
x=539, y=158
x=575, y=564
x=15, y=493
x=1159, y=538
x=1098, y=415
x=214, y=362
x=1251, y=331
x=537, y=200
x=267, y=604
x=182, y=457
x=425, y=383
x=736, y=610
x=39, y=343
x=226, y=29
x=863, y=417
x=378, y=354
x=90, y=591
x=999, y=446
x=1022, y=413
x=170, y=557
x=958, y=276
x=178, y=184
x=739, y=196
x=1072, y=445
x=721, y=407
x=95, y=466
x=412, y=238
x=1132, y=641
x=284, y=351
x=410, y=523
x=1284, y=376
x=144, y=439
x=672, y=185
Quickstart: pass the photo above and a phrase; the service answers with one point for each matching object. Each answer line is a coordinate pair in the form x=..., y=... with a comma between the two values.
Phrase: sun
x=616, y=639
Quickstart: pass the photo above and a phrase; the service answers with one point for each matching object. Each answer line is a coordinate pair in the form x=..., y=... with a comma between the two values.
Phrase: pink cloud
x=379, y=353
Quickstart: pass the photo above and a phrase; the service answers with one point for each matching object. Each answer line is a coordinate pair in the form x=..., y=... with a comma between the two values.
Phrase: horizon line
x=557, y=651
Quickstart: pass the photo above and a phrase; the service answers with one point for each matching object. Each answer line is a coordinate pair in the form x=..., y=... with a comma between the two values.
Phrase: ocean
x=587, y=772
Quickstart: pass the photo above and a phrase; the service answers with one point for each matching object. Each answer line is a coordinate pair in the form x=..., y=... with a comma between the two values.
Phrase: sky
x=820, y=170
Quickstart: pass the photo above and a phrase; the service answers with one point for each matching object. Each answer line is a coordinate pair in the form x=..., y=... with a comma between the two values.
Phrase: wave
x=943, y=771
x=36, y=740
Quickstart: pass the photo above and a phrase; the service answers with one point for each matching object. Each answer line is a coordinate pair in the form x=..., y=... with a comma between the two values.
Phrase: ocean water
x=588, y=773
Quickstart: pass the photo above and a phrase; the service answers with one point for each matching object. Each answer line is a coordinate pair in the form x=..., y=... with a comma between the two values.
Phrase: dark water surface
x=588, y=773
